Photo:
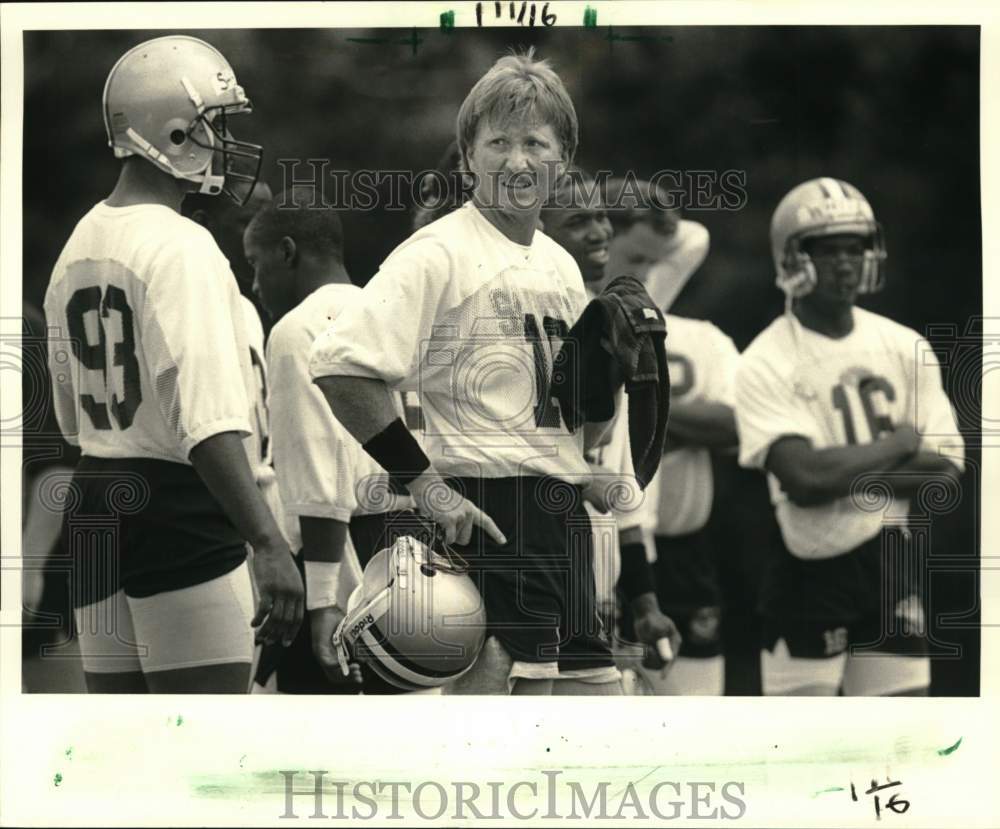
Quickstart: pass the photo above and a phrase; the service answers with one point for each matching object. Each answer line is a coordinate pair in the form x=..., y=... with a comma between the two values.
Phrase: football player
x=226, y=221
x=471, y=311
x=333, y=492
x=151, y=373
x=578, y=220
x=702, y=363
x=651, y=239
x=829, y=398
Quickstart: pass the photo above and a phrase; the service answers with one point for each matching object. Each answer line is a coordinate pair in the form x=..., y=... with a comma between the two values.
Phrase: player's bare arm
x=811, y=476
x=365, y=407
x=222, y=463
x=924, y=466
x=701, y=423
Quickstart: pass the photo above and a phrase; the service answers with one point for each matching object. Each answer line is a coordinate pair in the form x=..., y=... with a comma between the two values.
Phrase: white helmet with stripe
x=416, y=619
x=823, y=207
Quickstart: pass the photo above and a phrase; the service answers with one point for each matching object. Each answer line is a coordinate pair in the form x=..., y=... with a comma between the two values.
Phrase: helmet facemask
x=235, y=165
x=797, y=274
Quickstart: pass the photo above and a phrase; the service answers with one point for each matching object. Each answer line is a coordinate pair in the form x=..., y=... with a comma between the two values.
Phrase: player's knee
x=489, y=674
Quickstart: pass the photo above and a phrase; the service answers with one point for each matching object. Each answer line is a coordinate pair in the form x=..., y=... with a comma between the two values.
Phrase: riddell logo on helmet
x=830, y=210
x=361, y=625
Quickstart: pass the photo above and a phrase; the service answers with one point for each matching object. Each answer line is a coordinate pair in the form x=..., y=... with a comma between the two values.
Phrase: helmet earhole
x=177, y=136
x=427, y=570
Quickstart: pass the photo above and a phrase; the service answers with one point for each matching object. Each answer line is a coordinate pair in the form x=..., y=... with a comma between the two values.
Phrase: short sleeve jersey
x=147, y=340
x=472, y=321
x=322, y=470
x=792, y=381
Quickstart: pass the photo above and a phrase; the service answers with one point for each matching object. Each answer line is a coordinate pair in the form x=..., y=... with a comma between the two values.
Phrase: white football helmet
x=168, y=100
x=416, y=619
x=823, y=207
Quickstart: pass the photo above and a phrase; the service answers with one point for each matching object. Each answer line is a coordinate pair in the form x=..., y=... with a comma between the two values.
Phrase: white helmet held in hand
x=416, y=619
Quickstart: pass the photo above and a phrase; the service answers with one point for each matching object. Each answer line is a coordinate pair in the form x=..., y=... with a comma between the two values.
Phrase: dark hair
x=300, y=214
x=632, y=201
x=443, y=189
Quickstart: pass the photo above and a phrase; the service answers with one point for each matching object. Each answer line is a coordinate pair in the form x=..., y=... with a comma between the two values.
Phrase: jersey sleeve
x=725, y=360
x=381, y=334
x=688, y=251
x=935, y=418
x=315, y=458
x=766, y=409
x=194, y=342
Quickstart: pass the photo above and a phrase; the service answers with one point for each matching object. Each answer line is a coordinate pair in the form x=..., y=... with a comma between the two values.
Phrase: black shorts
x=298, y=671
x=862, y=600
x=146, y=526
x=538, y=589
x=687, y=587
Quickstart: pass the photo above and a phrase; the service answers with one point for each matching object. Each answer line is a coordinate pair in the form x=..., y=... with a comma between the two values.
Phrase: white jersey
x=258, y=443
x=702, y=362
x=322, y=470
x=472, y=321
x=631, y=506
x=668, y=277
x=149, y=355
x=835, y=392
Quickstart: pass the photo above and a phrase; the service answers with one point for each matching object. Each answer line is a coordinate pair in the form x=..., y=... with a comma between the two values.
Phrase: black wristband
x=398, y=453
x=636, y=575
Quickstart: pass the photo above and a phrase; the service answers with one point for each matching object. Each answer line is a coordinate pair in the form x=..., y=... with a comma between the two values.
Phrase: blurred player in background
x=576, y=218
x=827, y=397
x=152, y=377
x=493, y=292
x=443, y=189
x=333, y=491
x=651, y=239
x=702, y=368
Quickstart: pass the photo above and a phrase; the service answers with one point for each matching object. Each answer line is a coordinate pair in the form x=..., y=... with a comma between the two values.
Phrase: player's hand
x=601, y=484
x=659, y=634
x=323, y=622
x=455, y=515
x=907, y=438
x=282, y=597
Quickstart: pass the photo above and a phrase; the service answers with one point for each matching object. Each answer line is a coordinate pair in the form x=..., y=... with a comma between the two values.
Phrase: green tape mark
x=831, y=789
x=589, y=17
x=180, y=720
x=57, y=779
x=447, y=20
x=69, y=752
x=944, y=752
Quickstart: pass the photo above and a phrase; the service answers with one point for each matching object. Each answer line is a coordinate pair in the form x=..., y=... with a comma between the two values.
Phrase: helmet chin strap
x=355, y=622
x=210, y=184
